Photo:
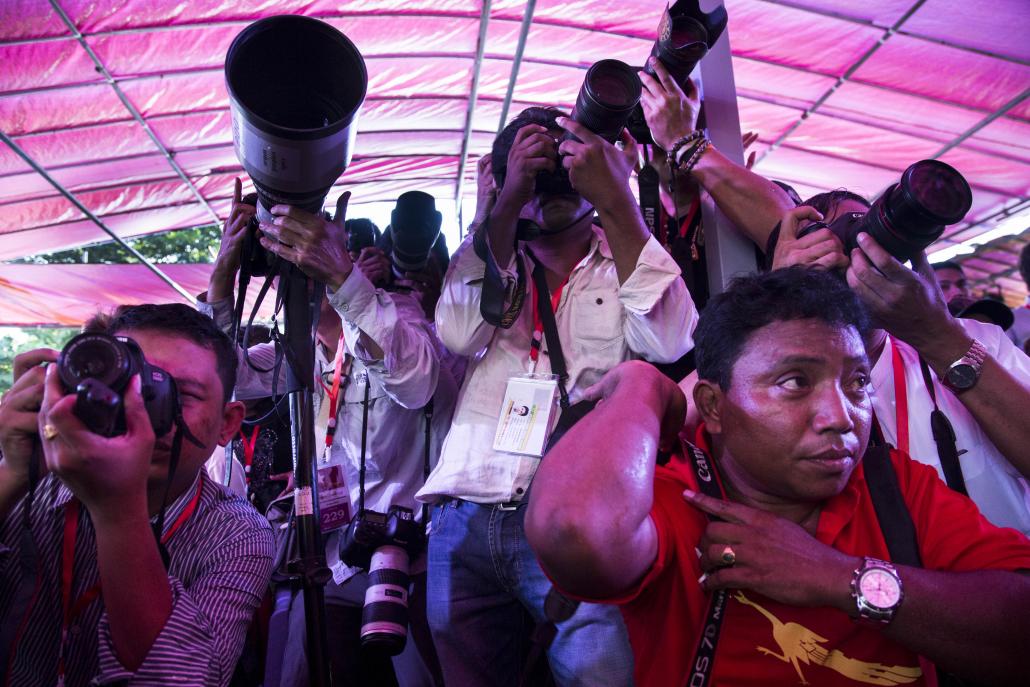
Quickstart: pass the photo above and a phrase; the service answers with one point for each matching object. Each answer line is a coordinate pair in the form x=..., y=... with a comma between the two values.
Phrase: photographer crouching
x=379, y=383
x=121, y=561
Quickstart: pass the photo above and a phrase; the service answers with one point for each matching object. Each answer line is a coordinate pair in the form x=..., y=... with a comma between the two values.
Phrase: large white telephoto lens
x=295, y=87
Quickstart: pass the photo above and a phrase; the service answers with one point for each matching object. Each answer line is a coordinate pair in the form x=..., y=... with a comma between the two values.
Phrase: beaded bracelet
x=689, y=138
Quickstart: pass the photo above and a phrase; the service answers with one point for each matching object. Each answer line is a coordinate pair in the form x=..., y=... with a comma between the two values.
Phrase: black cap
x=995, y=311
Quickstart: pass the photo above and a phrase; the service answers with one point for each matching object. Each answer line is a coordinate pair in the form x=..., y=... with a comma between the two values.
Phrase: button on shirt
x=600, y=324
x=400, y=385
x=221, y=561
x=997, y=488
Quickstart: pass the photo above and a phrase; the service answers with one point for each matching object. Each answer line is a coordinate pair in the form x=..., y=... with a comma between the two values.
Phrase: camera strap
x=493, y=295
x=944, y=437
x=427, y=413
x=710, y=485
x=545, y=311
x=940, y=426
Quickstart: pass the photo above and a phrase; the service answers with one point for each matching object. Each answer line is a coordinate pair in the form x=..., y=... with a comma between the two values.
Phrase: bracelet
x=695, y=156
x=689, y=138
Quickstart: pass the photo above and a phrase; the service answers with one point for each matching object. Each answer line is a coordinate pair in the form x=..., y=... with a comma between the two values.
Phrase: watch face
x=879, y=588
x=962, y=376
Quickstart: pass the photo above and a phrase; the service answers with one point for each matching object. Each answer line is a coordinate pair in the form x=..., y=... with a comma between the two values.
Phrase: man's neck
x=155, y=492
x=739, y=489
x=328, y=334
x=560, y=253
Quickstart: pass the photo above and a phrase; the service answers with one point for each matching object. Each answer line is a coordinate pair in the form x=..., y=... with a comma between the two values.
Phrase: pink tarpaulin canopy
x=123, y=101
x=68, y=295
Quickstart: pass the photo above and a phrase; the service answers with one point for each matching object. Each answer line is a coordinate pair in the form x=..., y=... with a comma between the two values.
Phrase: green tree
x=14, y=340
x=196, y=245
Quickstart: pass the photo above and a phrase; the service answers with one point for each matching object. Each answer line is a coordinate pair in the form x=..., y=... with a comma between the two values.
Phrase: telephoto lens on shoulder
x=98, y=367
x=911, y=214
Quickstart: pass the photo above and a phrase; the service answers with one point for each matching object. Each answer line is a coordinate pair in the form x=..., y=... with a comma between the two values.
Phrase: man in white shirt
x=616, y=295
x=376, y=346
x=979, y=380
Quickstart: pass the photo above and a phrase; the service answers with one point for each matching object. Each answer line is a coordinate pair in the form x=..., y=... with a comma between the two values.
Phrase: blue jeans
x=483, y=578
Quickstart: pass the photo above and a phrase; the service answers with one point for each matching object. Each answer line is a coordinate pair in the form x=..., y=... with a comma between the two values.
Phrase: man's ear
x=232, y=418
x=708, y=399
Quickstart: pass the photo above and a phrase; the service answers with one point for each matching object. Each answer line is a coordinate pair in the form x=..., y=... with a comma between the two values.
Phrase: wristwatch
x=877, y=591
x=964, y=372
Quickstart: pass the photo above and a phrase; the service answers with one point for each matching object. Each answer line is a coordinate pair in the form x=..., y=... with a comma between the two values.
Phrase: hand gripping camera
x=911, y=214
x=685, y=35
x=383, y=544
x=98, y=367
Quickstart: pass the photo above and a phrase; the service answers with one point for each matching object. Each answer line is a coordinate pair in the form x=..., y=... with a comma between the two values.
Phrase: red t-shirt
x=763, y=642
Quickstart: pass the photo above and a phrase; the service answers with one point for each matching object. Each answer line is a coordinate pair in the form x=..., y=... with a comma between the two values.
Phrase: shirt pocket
x=597, y=316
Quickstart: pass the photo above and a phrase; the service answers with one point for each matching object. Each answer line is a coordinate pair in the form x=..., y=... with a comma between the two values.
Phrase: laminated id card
x=527, y=414
x=333, y=498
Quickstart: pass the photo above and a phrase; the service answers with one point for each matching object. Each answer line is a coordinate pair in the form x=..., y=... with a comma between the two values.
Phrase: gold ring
x=728, y=556
x=49, y=431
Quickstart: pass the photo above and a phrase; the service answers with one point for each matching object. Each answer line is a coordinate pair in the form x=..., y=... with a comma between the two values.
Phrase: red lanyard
x=538, y=323
x=334, y=392
x=71, y=610
x=248, y=448
x=900, y=398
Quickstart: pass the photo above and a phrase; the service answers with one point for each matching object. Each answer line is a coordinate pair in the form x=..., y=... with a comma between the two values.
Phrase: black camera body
x=909, y=215
x=370, y=530
x=98, y=367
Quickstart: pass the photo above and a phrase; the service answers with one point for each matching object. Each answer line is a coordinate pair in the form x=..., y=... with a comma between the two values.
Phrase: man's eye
x=795, y=383
x=860, y=383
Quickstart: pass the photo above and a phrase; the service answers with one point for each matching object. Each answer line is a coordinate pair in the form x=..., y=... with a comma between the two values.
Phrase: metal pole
x=96, y=220
x=310, y=565
x=484, y=22
x=102, y=70
x=527, y=22
x=728, y=251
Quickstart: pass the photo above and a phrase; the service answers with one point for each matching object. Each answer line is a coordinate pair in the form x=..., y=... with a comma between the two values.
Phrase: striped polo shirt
x=221, y=561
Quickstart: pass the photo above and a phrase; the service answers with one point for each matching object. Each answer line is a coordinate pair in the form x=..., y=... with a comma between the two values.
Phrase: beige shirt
x=600, y=324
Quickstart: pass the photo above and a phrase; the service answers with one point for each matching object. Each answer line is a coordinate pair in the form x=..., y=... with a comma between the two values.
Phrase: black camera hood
x=714, y=21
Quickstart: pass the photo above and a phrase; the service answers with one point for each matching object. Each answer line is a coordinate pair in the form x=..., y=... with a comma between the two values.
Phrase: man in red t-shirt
x=793, y=555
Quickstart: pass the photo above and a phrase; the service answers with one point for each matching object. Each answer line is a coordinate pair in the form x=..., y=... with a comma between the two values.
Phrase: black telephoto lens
x=607, y=97
x=912, y=214
x=685, y=43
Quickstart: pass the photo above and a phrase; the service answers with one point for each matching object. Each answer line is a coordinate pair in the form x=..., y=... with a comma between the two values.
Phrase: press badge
x=527, y=414
x=333, y=498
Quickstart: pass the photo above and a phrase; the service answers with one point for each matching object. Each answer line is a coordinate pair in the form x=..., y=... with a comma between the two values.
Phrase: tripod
x=302, y=298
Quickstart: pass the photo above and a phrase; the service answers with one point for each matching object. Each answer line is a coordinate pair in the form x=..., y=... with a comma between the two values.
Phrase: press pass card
x=333, y=498
x=526, y=414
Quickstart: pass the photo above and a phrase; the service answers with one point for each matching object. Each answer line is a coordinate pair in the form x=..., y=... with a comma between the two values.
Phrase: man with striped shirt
x=85, y=597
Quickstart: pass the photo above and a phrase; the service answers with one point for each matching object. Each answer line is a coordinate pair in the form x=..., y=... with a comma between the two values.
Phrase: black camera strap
x=944, y=437
x=364, y=444
x=710, y=485
x=546, y=312
x=492, y=297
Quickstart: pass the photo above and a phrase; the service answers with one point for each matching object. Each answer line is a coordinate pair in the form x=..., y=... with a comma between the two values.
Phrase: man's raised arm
x=588, y=519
